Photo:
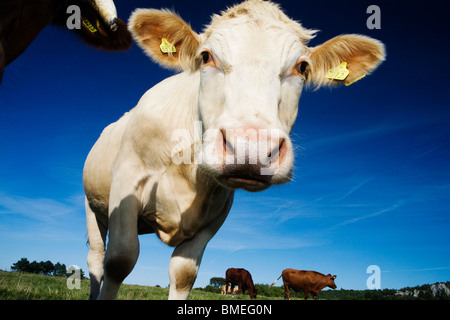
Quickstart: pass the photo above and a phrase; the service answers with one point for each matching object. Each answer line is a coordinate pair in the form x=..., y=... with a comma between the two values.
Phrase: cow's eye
x=302, y=68
x=206, y=57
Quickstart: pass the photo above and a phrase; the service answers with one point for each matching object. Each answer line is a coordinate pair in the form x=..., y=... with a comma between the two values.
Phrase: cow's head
x=253, y=62
x=330, y=281
x=107, y=11
x=96, y=24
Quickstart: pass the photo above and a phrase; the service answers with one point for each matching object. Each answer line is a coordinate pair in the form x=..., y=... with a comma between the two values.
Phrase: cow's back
x=240, y=277
x=298, y=279
x=99, y=162
x=234, y=275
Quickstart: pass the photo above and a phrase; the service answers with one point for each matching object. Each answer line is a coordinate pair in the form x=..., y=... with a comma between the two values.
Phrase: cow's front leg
x=123, y=246
x=183, y=270
x=186, y=259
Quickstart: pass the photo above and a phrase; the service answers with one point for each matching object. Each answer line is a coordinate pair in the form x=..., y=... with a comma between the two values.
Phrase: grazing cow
x=242, y=278
x=231, y=290
x=171, y=165
x=307, y=281
x=22, y=20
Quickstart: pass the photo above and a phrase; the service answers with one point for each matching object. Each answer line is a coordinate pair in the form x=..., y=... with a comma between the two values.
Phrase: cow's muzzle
x=251, y=156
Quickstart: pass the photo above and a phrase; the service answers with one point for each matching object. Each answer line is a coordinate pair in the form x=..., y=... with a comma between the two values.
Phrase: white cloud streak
x=371, y=215
x=354, y=189
x=339, y=140
x=24, y=217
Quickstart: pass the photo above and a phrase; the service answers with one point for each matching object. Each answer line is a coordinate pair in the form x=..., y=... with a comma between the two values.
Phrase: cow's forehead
x=265, y=14
x=254, y=10
x=256, y=28
x=253, y=45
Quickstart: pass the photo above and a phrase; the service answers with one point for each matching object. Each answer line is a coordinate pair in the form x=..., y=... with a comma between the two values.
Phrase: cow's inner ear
x=360, y=54
x=165, y=37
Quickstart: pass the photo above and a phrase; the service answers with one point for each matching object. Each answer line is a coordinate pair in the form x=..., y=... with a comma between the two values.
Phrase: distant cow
x=22, y=20
x=230, y=290
x=307, y=281
x=242, y=278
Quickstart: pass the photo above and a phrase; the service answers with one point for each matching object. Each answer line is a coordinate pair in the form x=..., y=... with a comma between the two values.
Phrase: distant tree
x=35, y=267
x=426, y=295
x=217, y=282
x=23, y=265
x=47, y=267
x=444, y=296
x=60, y=270
x=210, y=288
x=44, y=267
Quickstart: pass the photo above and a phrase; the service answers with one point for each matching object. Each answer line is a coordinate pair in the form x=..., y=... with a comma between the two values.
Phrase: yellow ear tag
x=347, y=84
x=339, y=73
x=166, y=46
x=89, y=26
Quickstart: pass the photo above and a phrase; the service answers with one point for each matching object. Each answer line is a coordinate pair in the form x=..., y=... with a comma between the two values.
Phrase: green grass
x=28, y=286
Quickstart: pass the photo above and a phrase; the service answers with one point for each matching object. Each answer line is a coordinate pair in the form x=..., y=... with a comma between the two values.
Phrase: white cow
x=223, y=290
x=170, y=166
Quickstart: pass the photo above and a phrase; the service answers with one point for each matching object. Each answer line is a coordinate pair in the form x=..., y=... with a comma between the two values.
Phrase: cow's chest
x=176, y=210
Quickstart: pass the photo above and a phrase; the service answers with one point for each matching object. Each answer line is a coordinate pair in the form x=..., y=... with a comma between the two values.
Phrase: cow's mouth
x=244, y=183
x=250, y=182
x=237, y=178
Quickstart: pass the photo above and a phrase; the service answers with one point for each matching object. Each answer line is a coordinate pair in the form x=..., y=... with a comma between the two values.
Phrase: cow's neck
x=167, y=115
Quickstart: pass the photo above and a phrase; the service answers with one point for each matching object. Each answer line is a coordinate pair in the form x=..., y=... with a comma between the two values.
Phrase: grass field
x=28, y=286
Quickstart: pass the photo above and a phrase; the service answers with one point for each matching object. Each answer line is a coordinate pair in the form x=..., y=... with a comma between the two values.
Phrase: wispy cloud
x=427, y=269
x=354, y=189
x=40, y=209
x=431, y=150
x=259, y=241
x=418, y=270
x=371, y=215
x=263, y=229
x=339, y=140
x=43, y=217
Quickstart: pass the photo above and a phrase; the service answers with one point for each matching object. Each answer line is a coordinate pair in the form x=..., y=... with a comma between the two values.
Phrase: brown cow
x=22, y=20
x=307, y=281
x=242, y=278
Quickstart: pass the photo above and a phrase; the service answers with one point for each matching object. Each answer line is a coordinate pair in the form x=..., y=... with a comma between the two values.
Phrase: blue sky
x=371, y=181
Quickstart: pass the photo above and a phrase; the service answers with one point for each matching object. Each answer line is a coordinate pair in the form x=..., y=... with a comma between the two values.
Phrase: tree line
x=47, y=268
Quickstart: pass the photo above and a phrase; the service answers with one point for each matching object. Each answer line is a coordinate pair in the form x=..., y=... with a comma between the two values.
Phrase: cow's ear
x=165, y=37
x=357, y=54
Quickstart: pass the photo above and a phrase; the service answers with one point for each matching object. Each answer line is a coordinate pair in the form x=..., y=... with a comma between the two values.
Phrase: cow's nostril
x=227, y=146
x=282, y=149
x=279, y=151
